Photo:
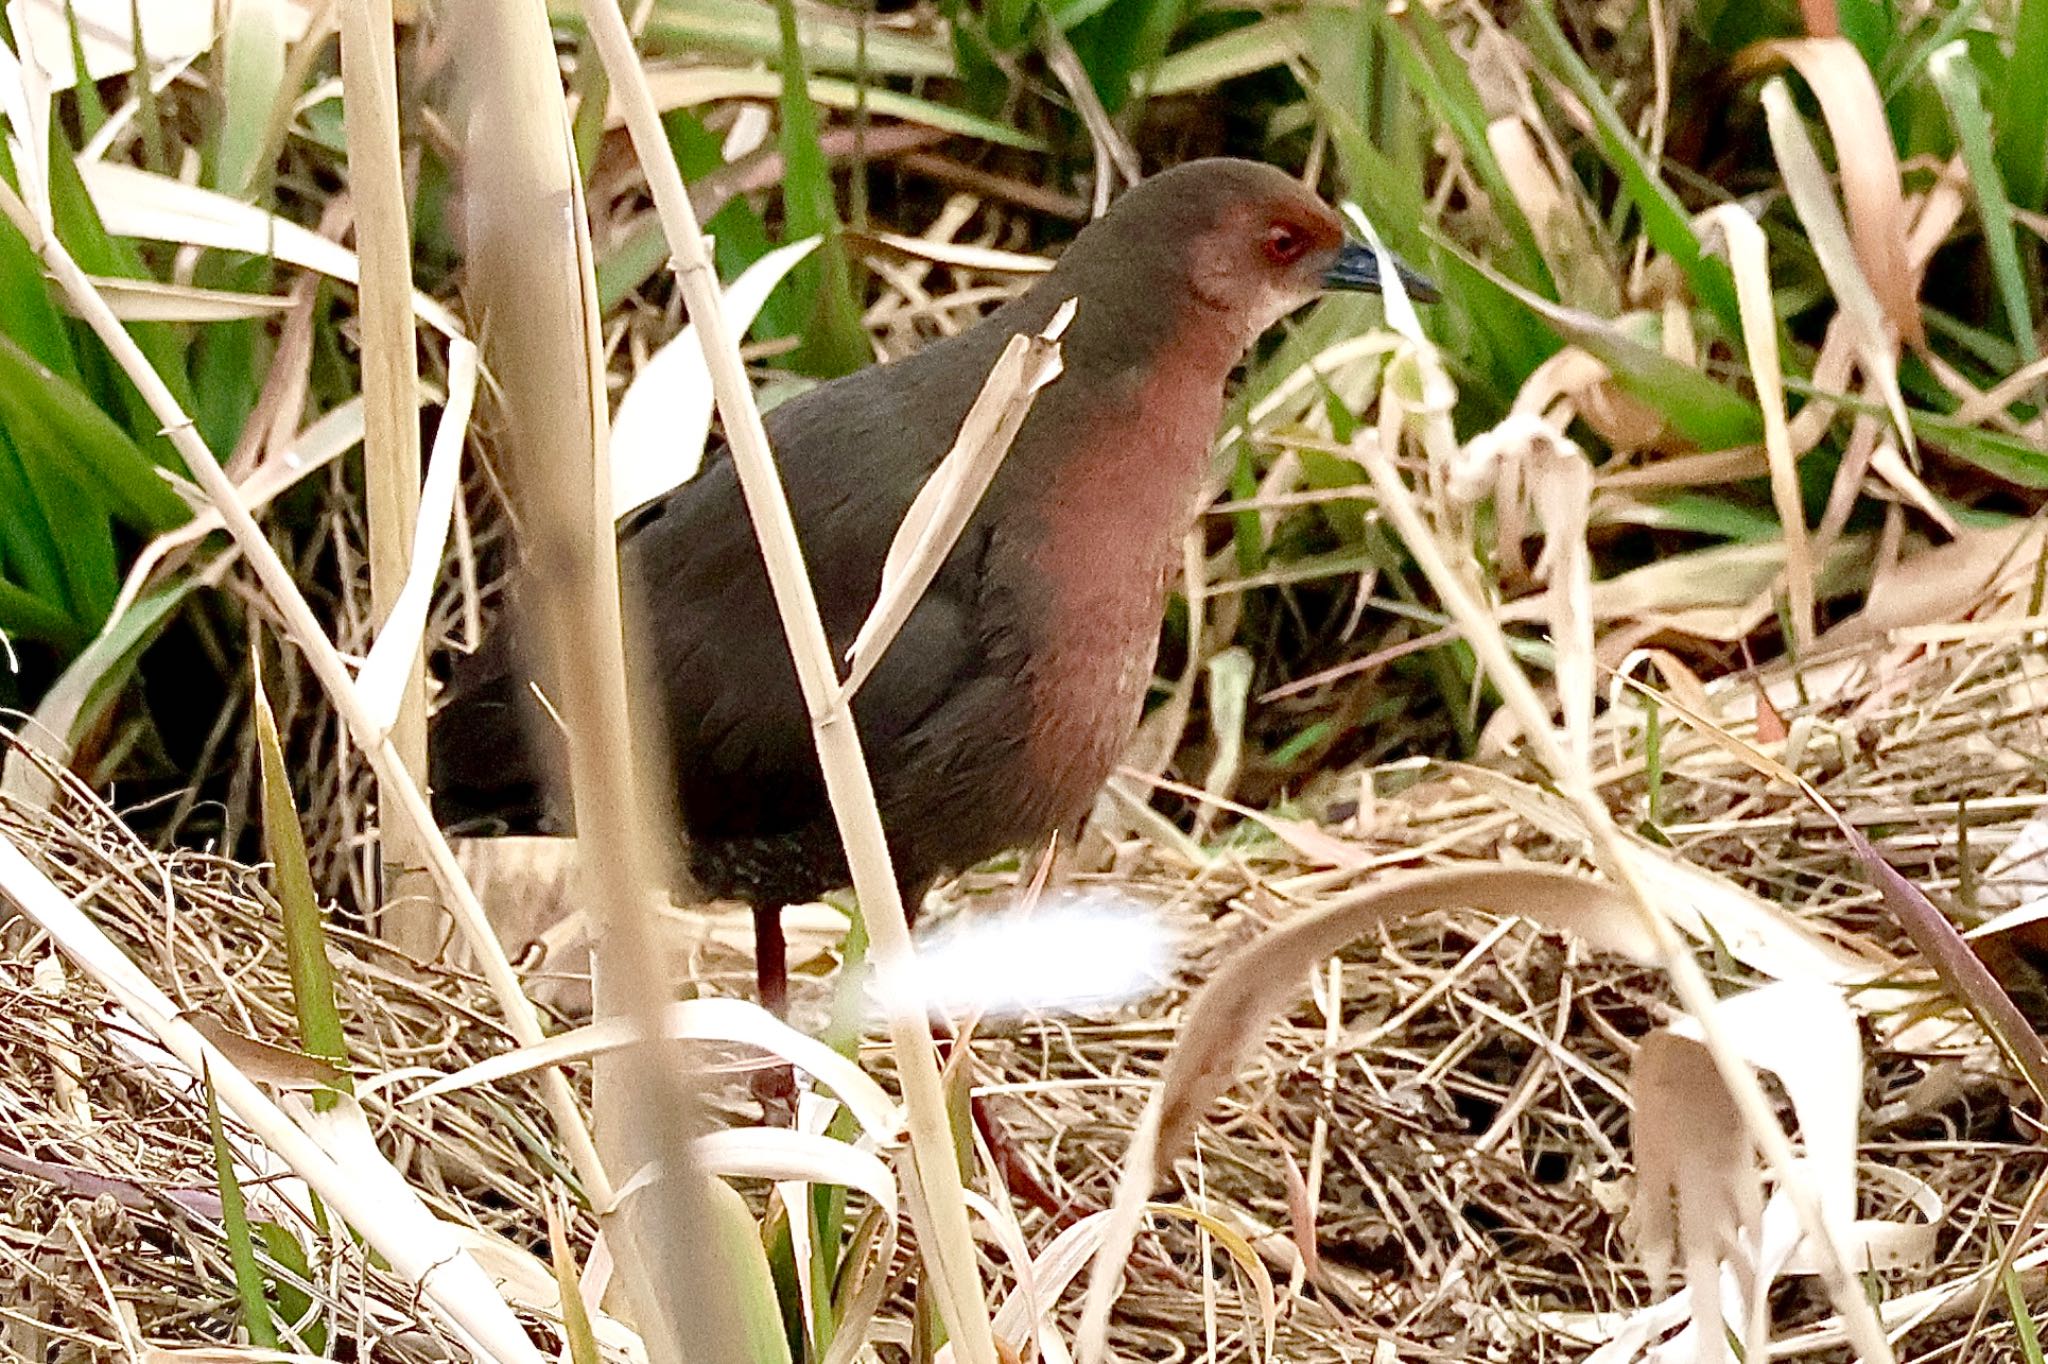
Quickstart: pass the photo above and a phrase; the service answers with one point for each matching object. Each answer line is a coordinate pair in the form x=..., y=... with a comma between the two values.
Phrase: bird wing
x=707, y=638
x=715, y=654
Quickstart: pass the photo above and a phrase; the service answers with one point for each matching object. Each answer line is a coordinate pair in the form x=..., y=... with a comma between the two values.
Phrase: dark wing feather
x=853, y=454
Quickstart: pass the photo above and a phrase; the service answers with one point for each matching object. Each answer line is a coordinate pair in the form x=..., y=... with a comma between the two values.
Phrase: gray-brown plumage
x=1001, y=708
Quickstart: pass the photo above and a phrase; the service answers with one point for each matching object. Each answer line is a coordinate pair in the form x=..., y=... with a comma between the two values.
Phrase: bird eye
x=1285, y=243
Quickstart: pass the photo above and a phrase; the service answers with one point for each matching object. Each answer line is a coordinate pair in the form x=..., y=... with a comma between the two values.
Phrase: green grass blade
x=1126, y=40
x=1700, y=514
x=1261, y=46
x=1871, y=26
x=1709, y=414
x=745, y=28
x=305, y=932
x=707, y=85
x=93, y=679
x=592, y=91
x=568, y=1282
x=47, y=413
x=2016, y=460
x=148, y=114
x=2022, y=1316
x=1440, y=72
x=294, y=1304
x=249, y=56
x=1956, y=78
x=31, y=316
x=249, y=1287
x=77, y=524
x=751, y=1281
x=1665, y=220
x=2023, y=108
x=1370, y=175
x=98, y=253
x=24, y=615
x=1007, y=23
x=1653, y=758
x=28, y=543
x=92, y=112
x=834, y=342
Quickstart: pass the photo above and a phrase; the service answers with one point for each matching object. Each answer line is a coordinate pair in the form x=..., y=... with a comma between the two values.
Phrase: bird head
x=1244, y=240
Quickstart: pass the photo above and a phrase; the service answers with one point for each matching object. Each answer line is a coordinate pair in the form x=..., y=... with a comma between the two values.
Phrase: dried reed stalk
x=409, y=916
x=532, y=278
x=941, y=1211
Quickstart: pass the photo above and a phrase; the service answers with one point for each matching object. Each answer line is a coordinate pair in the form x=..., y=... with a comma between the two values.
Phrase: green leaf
x=249, y=1286
x=77, y=524
x=1261, y=46
x=750, y=1281
x=1320, y=469
x=2029, y=1336
x=92, y=111
x=1699, y=514
x=148, y=111
x=49, y=414
x=28, y=544
x=249, y=57
x=1370, y=176
x=1440, y=72
x=1008, y=22
x=1709, y=414
x=24, y=615
x=562, y=1259
x=2023, y=108
x=1872, y=26
x=709, y=84
x=591, y=90
x=2017, y=461
x=1956, y=78
x=229, y=359
x=1126, y=39
x=1665, y=220
x=31, y=318
x=834, y=343
x=85, y=236
x=293, y=1303
x=305, y=931
x=828, y=41
x=92, y=679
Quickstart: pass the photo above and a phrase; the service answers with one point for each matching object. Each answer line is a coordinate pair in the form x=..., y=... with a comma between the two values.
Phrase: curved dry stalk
x=1231, y=1013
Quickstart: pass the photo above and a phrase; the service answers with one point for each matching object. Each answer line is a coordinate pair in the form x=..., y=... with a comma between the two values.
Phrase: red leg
x=774, y=1087
x=771, y=960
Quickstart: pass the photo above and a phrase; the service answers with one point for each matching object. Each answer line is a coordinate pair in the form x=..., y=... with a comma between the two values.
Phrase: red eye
x=1285, y=243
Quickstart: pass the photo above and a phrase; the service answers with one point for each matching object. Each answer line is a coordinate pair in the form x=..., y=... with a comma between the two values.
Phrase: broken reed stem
x=409, y=916
x=1695, y=993
x=332, y=673
x=945, y=1240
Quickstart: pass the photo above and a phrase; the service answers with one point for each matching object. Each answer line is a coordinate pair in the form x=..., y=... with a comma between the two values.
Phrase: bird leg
x=775, y=1087
x=771, y=960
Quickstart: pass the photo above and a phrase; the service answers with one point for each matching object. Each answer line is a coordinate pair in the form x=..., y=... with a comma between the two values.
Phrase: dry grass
x=1446, y=1128
x=1465, y=1116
